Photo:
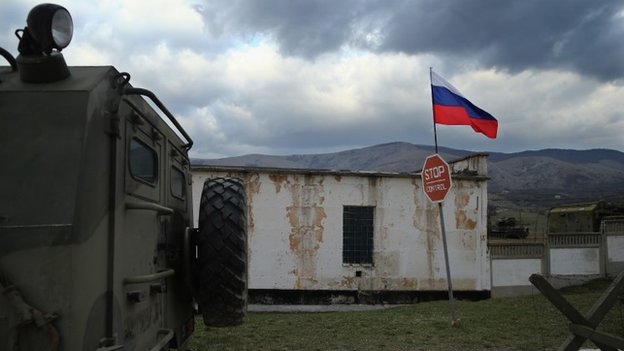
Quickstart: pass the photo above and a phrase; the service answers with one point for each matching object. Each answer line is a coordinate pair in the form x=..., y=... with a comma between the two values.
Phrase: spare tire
x=221, y=266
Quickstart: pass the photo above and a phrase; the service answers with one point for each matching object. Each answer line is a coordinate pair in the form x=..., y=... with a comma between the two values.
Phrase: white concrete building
x=361, y=231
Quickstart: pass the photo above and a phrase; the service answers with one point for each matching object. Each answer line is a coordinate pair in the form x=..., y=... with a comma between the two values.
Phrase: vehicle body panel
x=69, y=241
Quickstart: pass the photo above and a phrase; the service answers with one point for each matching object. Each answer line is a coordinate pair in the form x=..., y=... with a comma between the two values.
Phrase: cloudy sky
x=299, y=77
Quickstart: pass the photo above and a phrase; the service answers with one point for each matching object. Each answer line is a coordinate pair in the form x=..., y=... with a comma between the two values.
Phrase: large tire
x=221, y=270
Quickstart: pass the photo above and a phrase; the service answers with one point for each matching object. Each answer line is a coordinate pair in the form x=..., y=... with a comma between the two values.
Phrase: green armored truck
x=97, y=249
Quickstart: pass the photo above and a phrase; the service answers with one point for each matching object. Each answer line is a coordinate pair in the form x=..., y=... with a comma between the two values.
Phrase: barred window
x=357, y=234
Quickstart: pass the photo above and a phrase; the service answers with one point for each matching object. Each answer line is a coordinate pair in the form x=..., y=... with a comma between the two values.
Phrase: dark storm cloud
x=302, y=28
x=577, y=35
x=583, y=36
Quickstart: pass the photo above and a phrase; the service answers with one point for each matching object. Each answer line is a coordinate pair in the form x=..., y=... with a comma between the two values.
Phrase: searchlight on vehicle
x=49, y=30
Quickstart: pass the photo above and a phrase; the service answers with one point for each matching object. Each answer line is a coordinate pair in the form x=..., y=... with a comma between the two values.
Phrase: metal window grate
x=357, y=231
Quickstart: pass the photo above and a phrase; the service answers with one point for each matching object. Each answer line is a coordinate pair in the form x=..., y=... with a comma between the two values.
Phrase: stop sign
x=436, y=178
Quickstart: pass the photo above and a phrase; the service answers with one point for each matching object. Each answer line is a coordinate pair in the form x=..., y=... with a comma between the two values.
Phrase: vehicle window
x=143, y=162
x=177, y=183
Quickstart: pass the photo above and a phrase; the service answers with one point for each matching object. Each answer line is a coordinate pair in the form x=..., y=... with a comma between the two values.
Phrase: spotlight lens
x=62, y=28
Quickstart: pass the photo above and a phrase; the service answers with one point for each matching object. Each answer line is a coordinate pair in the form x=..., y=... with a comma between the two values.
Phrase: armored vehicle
x=97, y=249
x=509, y=228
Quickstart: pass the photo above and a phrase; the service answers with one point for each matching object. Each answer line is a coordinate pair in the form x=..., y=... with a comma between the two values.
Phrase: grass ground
x=520, y=323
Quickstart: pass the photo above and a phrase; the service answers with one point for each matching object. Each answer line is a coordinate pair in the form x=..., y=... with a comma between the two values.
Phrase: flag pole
x=454, y=321
x=435, y=129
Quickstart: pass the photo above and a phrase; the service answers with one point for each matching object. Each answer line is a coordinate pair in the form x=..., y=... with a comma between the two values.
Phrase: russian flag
x=452, y=108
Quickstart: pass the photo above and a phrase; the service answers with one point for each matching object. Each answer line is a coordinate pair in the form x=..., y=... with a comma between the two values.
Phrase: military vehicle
x=97, y=249
x=508, y=228
x=581, y=217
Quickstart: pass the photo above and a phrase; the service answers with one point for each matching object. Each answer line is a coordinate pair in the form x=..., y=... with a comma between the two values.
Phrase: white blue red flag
x=452, y=108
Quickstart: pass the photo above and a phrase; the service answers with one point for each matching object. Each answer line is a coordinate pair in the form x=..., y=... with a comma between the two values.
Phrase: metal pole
x=435, y=129
x=446, y=257
x=448, y=267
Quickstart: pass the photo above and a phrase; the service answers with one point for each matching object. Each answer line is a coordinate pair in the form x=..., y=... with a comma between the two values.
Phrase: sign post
x=436, y=182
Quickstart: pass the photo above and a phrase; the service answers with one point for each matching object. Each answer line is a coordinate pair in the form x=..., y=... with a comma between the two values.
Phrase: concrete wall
x=295, y=229
x=615, y=248
x=613, y=231
x=575, y=261
x=514, y=272
x=513, y=262
x=564, y=259
x=615, y=254
x=574, y=258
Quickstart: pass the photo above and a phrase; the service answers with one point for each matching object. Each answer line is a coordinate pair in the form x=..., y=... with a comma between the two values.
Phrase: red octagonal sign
x=436, y=178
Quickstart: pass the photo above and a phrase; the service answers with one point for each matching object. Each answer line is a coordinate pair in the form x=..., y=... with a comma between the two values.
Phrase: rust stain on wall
x=277, y=180
x=252, y=188
x=306, y=215
x=294, y=240
x=409, y=284
x=433, y=239
x=418, y=219
x=348, y=282
x=463, y=221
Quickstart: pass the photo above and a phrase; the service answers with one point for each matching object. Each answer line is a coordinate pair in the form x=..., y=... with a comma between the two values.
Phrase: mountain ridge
x=533, y=178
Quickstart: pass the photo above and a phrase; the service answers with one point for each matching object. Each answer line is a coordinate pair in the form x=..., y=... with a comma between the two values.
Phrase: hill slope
x=539, y=178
